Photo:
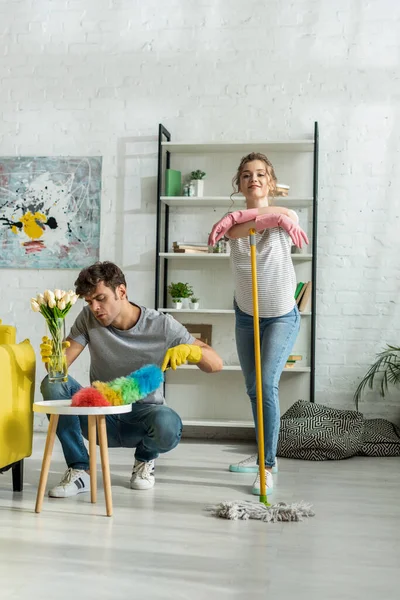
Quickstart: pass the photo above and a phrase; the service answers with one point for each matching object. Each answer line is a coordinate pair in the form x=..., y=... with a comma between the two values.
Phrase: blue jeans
x=278, y=335
x=150, y=428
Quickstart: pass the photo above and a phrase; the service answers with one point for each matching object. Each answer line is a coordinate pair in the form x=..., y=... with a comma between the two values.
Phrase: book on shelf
x=305, y=299
x=173, y=182
x=292, y=359
x=303, y=295
x=189, y=247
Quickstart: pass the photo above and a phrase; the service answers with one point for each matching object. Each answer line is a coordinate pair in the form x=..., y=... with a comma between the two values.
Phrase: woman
x=277, y=228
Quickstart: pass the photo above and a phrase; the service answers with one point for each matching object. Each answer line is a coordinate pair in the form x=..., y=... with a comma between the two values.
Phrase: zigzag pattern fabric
x=316, y=432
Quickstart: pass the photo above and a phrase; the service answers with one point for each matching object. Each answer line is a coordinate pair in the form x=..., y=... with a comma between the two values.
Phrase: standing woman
x=276, y=229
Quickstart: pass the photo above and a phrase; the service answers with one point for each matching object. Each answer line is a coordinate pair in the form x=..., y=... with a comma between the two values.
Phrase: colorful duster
x=123, y=390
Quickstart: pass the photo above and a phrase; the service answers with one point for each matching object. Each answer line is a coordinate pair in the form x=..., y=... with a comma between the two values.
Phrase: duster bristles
x=123, y=390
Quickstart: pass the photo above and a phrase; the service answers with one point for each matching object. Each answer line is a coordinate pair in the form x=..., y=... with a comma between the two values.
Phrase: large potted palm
x=385, y=370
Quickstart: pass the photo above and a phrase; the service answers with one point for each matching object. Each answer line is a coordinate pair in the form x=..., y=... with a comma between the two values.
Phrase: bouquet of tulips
x=54, y=306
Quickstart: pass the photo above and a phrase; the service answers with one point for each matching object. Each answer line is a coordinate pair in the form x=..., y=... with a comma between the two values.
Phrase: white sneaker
x=269, y=484
x=143, y=475
x=249, y=465
x=74, y=481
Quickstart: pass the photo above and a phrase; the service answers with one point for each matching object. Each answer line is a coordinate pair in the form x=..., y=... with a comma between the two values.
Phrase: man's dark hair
x=88, y=278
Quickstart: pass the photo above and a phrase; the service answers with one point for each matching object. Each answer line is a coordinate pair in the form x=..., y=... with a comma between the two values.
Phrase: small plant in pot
x=194, y=303
x=196, y=180
x=178, y=292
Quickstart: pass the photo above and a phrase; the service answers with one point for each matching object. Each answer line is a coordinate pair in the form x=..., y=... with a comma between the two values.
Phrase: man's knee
x=53, y=391
x=167, y=426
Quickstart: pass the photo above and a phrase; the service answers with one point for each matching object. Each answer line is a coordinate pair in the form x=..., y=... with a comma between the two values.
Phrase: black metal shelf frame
x=162, y=240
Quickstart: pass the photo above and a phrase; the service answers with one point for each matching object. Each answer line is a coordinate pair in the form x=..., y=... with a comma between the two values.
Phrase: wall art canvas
x=49, y=212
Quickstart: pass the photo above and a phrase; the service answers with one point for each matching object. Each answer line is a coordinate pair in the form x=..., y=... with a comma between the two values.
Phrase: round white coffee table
x=96, y=415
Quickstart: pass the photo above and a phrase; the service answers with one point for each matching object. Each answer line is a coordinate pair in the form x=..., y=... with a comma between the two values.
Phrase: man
x=122, y=337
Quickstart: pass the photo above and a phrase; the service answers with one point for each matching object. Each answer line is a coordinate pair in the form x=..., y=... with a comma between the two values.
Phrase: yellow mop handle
x=257, y=352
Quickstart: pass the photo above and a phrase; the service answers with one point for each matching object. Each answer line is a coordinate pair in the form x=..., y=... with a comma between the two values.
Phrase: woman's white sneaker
x=269, y=484
x=74, y=481
x=249, y=465
x=143, y=475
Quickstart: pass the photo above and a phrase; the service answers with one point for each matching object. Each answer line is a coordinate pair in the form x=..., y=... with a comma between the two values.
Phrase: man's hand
x=177, y=356
x=46, y=348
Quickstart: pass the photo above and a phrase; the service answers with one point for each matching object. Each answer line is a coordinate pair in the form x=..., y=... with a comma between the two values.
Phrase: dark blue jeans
x=278, y=335
x=150, y=428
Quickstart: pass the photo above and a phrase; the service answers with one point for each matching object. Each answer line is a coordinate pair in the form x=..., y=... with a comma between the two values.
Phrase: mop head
x=123, y=390
x=270, y=514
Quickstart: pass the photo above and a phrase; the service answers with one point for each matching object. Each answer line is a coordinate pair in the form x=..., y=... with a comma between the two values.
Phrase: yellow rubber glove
x=177, y=356
x=46, y=348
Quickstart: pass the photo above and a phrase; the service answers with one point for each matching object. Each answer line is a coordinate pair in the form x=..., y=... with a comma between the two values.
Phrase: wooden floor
x=161, y=544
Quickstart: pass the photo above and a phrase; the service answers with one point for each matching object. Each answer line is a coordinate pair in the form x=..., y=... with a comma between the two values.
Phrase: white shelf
x=239, y=202
x=235, y=147
x=238, y=368
x=210, y=311
x=216, y=423
x=202, y=255
x=206, y=256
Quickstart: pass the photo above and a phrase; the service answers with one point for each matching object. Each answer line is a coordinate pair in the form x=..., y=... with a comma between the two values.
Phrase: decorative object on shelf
x=196, y=180
x=190, y=247
x=173, y=182
x=194, y=303
x=50, y=212
x=282, y=190
x=200, y=332
x=188, y=189
x=123, y=390
x=177, y=302
x=179, y=291
x=220, y=247
x=54, y=306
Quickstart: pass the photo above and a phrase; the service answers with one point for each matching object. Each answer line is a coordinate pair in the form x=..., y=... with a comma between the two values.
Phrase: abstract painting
x=49, y=212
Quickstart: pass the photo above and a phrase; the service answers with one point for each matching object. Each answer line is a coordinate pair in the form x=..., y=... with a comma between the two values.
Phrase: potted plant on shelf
x=178, y=292
x=196, y=180
x=194, y=303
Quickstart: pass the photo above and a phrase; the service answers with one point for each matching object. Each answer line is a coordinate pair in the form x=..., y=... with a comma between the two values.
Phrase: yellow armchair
x=17, y=386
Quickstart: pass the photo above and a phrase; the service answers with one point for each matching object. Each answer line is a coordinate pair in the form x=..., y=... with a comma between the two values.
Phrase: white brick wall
x=97, y=76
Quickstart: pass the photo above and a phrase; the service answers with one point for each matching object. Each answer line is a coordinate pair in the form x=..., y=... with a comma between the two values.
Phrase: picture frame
x=202, y=332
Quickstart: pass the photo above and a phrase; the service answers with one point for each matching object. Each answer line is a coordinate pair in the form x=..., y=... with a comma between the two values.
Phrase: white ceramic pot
x=198, y=186
x=178, y=305
x=194, y=305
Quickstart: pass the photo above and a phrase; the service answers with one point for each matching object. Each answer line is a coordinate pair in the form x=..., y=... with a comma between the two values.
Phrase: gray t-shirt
x=116, y=353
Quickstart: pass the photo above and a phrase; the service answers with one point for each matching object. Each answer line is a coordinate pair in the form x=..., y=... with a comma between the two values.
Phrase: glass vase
x=57, y=365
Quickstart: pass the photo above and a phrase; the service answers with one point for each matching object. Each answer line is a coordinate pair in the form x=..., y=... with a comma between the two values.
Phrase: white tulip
x=46, y=295
x=35, y=305
x=40, y=299
x=67, y=298
x=74, y=298
x=61, y=304
x=59, y=294
x=52, y=302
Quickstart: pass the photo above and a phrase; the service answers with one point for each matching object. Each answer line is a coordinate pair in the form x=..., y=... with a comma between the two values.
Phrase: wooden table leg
x=48, y=450
x=92, y=457
x=105, y=465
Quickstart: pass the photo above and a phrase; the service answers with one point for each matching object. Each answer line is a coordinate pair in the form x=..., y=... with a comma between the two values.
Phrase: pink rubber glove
x=269, y=221
x=223, y=225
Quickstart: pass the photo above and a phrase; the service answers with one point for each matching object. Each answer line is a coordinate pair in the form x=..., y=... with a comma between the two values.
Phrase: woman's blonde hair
x=272, y=180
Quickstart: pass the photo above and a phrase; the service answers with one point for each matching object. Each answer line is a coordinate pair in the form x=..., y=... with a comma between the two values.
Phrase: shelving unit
x=220, y=400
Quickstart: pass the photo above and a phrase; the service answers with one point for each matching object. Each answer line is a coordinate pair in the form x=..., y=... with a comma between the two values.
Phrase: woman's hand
x=223, y=225
x=295, y=231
